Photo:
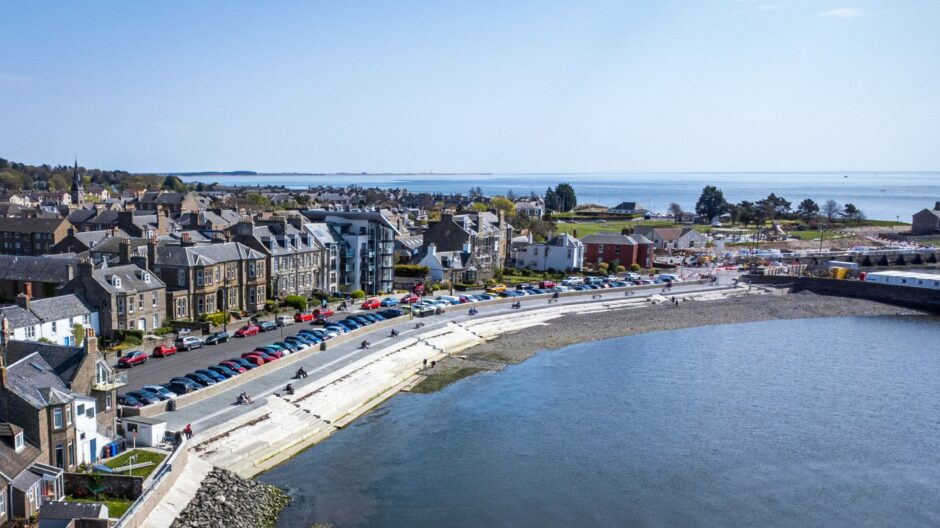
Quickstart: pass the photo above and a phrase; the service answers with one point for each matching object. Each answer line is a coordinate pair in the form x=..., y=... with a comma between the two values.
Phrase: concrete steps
x=180, y=494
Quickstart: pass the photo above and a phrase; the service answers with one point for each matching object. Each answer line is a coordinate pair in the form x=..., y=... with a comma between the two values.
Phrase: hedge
x=296, y=301
x=130, y=337
x=216, y=318
x=358, y=294
x=411, y=270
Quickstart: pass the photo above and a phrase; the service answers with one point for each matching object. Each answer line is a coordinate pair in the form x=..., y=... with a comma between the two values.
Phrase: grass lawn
x=591, y=228
x=116, y=507
x=142, y=456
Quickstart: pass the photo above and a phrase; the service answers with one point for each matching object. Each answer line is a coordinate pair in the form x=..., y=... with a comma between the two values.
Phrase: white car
x=573, y=281
x=161, y=390
x=284, y=320
x=560, y=289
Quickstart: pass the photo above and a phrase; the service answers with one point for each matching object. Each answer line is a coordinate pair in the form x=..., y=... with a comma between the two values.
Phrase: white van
x=573, y=281
x=284, y=320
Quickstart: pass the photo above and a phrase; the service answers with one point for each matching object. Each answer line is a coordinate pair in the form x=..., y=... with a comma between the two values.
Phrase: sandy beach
x=518, y=346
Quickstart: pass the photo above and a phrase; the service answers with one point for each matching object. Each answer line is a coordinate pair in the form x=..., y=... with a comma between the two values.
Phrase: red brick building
x=618, y=248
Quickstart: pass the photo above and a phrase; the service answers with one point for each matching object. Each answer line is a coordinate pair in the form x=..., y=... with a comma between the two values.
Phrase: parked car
x=335, y=326
x=305, y=338
x=144, y=397
x=496, y=288
x=223, y=371
x=161, y=391
x=211, y=374
x=322, y=311
x=448, y=299
x=254, y=359
x=391, y=313
x=243, y=363
x=132, y=359
x=188, y=343
x=235, y=367
x=217, y=337
x=290, y=347
x=298, y=343
x=320, y=321
x=163, y=350
x=371, y=304
x=155, y=394
x=267, y=326
x=323, y=334
x=247, y=330
x=129, y=401
x=573, y=281
x=546, y=285
x=201, y=379
x=303, y=317
x=271, y=351
x=284, y=320
x=389, y=301
x=349, y=325
x=184, y=381
x=409, y=299
x=180, y=332
x=178, y=388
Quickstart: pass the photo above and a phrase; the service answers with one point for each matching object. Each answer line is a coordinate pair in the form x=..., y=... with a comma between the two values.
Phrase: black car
x=217, y=337
x=266, y=326
x=144, y=397
x=130, y=401
x=201, y=379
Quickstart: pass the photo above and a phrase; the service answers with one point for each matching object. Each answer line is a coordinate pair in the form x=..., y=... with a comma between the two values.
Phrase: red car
x=132, y=359
x=545, y=285
x=164, y=350
x=234, y=366
x=257, y=358
x=409, y=299
x=303, y=317
x=247, y=330
x=323, y=312
x=276, y=354
x=371, y=304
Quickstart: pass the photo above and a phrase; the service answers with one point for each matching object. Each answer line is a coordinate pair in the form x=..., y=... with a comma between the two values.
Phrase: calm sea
x=882, y=196
x=826, y=422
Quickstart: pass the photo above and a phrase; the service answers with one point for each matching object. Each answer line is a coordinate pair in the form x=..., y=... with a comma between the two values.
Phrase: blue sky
x=693, y=85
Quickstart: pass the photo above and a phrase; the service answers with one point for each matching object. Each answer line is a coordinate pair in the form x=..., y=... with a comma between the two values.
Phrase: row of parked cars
x=250, y=360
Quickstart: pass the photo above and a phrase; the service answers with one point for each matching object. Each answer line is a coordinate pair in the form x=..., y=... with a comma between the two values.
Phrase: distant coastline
x=252, y=173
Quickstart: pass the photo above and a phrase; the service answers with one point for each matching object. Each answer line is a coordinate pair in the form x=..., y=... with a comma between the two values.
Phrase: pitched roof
x=70, y=510
x=609, y=238
x=34, y=381
x=63, y=360
x=59, y=307
x=564, y=240
x=31, y=225
x=133, y=279
x=47, y=268
x=18, y=317
x=9, y=429
x=14, y=463
x=178, y=255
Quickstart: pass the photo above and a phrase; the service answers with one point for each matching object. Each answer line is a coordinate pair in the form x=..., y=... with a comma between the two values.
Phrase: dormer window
x=116, y=281
x=146, y=277
x=18, y=441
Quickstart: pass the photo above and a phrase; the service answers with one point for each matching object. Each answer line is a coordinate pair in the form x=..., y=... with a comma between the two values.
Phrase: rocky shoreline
x=225, y=499
x=518, y=346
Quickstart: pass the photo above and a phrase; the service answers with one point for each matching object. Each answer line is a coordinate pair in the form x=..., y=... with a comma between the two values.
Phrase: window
x=200, y=305
x=130, y=305
x=251, y=270
x=199, y=277
x=180, y=308
x=53, y=327
x=218, y=274
x=107, y=402
x=71, y=460
x=86, y=320
x=120, y=305
x=102, y=373
x=146, y=277
x=30, y=332
x=17, y=444
x=181, y=278
x=57, y=418
x=140, y=301
x=80, y=409
x=156, y=321
x=116, y=281
x=68, y=415
x=261, y=294
x=153, y=299
x=3, y=504
x=251, y=296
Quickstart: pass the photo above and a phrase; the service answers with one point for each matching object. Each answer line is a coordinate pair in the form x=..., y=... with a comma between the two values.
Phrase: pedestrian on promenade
x=188, y=431
x=433, y=363
x=425, y=362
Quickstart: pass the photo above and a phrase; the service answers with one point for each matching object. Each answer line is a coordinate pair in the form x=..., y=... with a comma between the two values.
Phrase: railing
x=112, y=382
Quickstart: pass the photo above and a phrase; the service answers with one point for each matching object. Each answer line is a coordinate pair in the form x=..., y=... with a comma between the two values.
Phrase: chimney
x=85, y=267
x=124, y=251
x=194, y=219
x=22, y=300
x=162, y=225
x=28, y=289
x=140, y=261
x=91, y=342
x=152, y=251
x=186, y=240
x=69, y=272
x=432, y=249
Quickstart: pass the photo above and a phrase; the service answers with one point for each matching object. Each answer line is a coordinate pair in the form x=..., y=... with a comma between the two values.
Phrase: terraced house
x=293, y=255
x=31, y=235
x=485, y=236
x=220, y=276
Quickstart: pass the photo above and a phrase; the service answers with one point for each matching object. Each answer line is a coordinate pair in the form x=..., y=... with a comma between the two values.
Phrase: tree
x=675, y=210
x=551, y=200
x=852, y=213
x=566, y=197
x=479, y=207
x=173, y=183
x=711, y=203
x=59, y=182
x=774, y=206
x=511, y=195
x=831, y=209
x=501, y=203
x=747, y=212
x=78, y=334
x=807, y=210
x=10, y=181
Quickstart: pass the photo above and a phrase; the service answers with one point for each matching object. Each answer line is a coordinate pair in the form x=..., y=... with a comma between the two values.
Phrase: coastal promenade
x=345, y=382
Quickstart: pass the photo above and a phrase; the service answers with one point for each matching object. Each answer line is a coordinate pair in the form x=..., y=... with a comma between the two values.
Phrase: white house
x=561, y=253
x=530, y=208
x=51, y=318
x=86, y=430
x=443, y=265
x=673, y=237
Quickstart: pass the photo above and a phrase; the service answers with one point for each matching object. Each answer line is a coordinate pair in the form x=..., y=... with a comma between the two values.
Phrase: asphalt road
x=160, y=370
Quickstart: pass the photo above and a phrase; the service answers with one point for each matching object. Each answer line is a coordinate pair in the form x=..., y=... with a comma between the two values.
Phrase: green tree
x=296, y=302
x=479, y=207
x=59, y=182
x=358, y=294
x=173, y=183
x=10, y=181
x=852, y=213
x=78, y=334
x=831, y=209
x=501, y=203
x=551, y=200
x=807, y=210
x=711, y=203
x=774, y=206
x=566, y=197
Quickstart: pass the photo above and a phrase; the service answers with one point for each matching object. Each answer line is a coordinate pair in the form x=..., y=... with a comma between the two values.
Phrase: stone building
x=485, y=236
x=293, y=255
x=926, y=222
x=618, y=248
x=31, y=235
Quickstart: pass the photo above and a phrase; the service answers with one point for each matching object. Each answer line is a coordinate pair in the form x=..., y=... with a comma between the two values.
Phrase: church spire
x=78, y=190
